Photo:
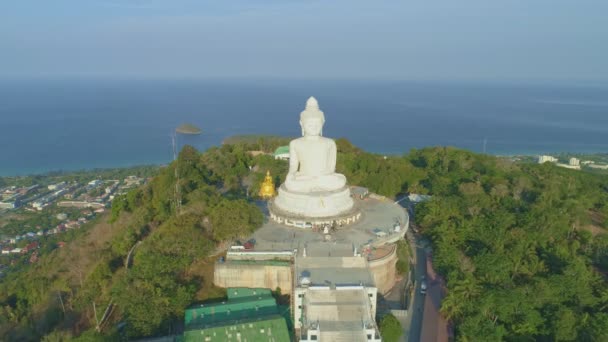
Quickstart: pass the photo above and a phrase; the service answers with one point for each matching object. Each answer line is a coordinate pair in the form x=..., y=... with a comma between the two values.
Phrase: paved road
x=417, y=307
x=426, y=322
x=434, y=326
x=412, y=323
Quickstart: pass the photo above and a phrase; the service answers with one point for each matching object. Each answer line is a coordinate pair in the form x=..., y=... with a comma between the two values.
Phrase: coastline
x=160, y=162
x=72, y=127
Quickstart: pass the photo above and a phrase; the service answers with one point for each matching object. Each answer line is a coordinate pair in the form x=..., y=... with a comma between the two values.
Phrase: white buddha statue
x=312, y=158
x=312, y=187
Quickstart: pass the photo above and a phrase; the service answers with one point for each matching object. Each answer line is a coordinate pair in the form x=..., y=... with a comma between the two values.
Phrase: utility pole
x=96, y=319
x=61, y=301
x=177, y=195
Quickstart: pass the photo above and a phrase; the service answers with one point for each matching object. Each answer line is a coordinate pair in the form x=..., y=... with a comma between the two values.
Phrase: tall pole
x=61, y=301
x=177, y=195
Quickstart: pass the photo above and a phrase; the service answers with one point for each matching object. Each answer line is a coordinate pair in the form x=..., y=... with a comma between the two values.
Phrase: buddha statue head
x=312, y=119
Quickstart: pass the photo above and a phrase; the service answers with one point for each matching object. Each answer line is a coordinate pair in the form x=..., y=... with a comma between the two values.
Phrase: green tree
x=390, y=328
x=403, y=252
x=231, y=219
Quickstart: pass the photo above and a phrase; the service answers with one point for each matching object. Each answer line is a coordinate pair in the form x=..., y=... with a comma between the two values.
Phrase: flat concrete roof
x=326, y=271
x=338, y=310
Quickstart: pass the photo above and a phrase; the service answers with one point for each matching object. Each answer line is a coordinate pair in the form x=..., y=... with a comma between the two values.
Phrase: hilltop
x=526, y=243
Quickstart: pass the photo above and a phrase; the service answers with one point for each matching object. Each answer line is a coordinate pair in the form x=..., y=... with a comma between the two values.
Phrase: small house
x=282, y=153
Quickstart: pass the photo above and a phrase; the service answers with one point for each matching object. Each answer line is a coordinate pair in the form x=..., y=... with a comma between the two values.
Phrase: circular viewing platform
x=299, y=221
x=375, y=224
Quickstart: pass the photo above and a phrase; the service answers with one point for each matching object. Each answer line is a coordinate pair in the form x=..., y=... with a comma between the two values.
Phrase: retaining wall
x=384, y=272
x=253, y=275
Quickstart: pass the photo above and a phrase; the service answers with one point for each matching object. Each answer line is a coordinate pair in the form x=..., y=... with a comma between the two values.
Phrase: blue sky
x=410, y=40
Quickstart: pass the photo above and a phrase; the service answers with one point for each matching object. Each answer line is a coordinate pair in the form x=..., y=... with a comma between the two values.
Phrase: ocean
x=84, y=124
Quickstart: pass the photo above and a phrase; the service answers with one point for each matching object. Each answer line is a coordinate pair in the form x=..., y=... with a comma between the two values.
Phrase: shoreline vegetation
x=267, y=143
x=188, y=129
x=522, y=246
x=59, y=175
x=601, y=157
x=249, y=139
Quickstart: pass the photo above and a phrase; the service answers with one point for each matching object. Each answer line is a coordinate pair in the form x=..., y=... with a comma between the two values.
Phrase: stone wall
x=384, y=272
x=253, y=275
x=260, y=255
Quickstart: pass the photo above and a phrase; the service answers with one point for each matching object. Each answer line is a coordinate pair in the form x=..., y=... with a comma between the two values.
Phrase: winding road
x=424, y=323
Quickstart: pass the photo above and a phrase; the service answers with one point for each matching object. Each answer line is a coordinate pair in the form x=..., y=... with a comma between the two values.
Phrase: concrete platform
x=376, y=214
x=371, y=238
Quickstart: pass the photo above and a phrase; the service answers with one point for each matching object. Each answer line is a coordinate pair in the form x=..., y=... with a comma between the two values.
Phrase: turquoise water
x=67, y=125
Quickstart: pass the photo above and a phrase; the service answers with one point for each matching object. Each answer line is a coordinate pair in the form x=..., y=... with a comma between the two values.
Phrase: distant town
x=38, y=214
x=574, y=163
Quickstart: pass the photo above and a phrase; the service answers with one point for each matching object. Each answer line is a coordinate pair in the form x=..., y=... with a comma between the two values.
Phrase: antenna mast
x=176, y=192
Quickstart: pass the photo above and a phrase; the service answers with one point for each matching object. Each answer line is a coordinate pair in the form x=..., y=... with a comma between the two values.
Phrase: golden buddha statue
x=267, y=188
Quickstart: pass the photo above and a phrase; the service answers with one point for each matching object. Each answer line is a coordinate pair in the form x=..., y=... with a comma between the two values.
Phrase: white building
x=94, y=183
x=8, y=205
x=574, y=162
x=544, y=159
x=39, y=205
x=598, y=166
x=282, y=153
x=57, y=186
x=335, y=300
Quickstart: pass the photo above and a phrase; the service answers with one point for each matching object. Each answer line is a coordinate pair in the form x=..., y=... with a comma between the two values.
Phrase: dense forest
x=522, y=246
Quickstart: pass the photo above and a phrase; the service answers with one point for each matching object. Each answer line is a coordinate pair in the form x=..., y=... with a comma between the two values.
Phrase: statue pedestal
x=314, y=204
x=320, y=208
